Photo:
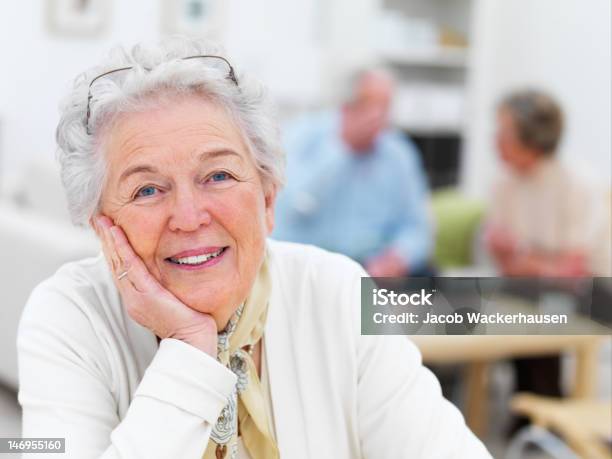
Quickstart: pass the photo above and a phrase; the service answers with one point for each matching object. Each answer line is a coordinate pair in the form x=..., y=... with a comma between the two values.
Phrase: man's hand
x=361, y=126
x=146, y=300
x=388, y=264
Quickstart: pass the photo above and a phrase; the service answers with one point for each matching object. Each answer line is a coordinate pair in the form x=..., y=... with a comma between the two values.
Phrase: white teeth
x=196, y=260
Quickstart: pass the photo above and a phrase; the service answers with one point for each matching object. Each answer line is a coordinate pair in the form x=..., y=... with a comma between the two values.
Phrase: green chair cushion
x=457, y=219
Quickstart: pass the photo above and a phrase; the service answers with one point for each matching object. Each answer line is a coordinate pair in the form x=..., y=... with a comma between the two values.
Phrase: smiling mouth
x=196, y=260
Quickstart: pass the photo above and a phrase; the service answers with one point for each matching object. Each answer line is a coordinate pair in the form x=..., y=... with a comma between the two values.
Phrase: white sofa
x=35, y=239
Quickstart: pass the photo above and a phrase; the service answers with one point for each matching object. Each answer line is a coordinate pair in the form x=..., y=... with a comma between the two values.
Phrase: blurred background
x=452, y=62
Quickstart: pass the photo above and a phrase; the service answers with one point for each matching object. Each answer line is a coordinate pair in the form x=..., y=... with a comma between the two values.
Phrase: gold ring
x=122, y=275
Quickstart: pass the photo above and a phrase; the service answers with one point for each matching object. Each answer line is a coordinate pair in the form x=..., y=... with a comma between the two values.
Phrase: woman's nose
x=189, y=211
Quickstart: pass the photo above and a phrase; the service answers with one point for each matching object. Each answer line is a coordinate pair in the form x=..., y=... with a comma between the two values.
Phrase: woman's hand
x=501, y=243
x=146, y=300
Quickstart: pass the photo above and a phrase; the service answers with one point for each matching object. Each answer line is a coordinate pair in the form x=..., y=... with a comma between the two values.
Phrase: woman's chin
x=204, y=303
x=202, y=300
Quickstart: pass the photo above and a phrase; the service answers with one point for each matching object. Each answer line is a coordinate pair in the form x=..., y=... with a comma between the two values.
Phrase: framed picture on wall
x=201, y=18
x=81, y=18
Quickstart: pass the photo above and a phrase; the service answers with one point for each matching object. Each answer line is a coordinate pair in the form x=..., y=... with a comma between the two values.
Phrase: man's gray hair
x=352, y=80
x=157, y=70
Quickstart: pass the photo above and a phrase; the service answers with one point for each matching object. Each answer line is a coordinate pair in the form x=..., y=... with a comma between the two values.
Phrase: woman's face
x=513, y=153
x=184, y=188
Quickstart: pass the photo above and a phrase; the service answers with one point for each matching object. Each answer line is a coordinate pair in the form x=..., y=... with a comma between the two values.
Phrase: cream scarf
x=245, y=412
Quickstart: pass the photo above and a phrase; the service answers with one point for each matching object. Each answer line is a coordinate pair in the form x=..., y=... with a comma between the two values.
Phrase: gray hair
x=157, y=69
x=352, y=80
x=538, y=118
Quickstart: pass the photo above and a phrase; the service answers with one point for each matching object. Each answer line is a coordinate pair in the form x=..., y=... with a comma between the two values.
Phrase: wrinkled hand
x=388, y=264
x=146, y=300
x=500, y=241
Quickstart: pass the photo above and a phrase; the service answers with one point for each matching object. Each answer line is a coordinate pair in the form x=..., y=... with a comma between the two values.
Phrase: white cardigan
x=91, y=374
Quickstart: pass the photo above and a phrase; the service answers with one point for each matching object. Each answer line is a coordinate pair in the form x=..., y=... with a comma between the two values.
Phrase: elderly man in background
x=356, y=186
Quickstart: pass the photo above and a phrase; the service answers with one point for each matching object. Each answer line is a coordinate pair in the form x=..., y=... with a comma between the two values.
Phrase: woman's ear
x=270, y=200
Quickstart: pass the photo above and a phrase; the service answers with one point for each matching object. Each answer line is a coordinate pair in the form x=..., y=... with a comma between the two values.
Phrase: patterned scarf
x=245, y=412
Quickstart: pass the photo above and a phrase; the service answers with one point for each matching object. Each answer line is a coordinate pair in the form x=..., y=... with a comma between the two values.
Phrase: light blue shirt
x=358, y=205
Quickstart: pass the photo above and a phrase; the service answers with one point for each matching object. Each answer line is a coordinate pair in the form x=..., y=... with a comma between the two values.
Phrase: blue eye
x=146, y=191
x=219, y=176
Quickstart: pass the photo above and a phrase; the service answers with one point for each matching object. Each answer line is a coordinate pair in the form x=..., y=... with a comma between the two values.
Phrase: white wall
x=562, y=46
x=278, y=41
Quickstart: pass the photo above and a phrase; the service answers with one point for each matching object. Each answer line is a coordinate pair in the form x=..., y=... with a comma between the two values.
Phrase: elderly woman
x=195, y=336
x=545, y=220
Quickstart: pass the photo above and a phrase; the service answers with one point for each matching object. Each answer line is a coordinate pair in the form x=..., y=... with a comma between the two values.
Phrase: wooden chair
x=584, y=424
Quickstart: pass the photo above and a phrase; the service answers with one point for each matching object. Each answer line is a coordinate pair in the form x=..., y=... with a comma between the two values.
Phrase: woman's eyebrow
x=213, y=154
x=205, y=156
x=135, y=170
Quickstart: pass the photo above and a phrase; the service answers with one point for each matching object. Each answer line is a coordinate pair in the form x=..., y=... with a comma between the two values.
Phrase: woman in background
x=545, y=220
